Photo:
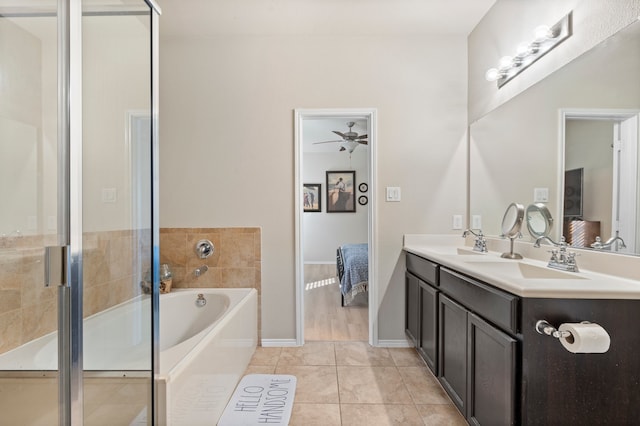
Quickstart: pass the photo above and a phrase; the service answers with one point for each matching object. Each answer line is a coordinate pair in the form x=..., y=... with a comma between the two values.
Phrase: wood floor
x=324, y=318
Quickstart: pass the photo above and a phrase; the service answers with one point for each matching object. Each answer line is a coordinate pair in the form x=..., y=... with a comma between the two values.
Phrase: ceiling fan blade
x=362, y=137
x=363, y=142
x=339, y=134
x=315, y=143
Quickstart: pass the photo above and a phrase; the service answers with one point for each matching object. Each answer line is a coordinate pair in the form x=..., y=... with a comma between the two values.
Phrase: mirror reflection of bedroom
x=335, y=170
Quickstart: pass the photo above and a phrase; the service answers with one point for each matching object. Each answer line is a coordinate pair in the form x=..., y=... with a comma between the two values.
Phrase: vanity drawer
x=496, y=306
x=422, y=268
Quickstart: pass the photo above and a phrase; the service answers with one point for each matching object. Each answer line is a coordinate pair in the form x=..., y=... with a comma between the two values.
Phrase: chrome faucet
x=560, y=258
x=480, y=243
x=201, y=270
x=599, y=245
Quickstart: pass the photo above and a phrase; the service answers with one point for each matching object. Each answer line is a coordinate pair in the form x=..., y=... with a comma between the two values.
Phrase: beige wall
x=510, y=22
x=227, y=153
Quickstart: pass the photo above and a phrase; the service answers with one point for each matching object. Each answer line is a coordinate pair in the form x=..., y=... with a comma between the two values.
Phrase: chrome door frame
x=70, y=309
x=70, y=395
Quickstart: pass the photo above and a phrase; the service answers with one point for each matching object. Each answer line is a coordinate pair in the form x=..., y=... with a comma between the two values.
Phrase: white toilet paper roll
x=585, y=338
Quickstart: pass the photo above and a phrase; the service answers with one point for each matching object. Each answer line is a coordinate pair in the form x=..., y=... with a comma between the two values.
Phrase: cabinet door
x=492, y=373
x=412, y=307
x=453, y=350
x=427, y=344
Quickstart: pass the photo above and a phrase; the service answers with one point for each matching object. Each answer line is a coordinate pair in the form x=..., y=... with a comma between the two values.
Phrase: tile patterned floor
x=352, y=383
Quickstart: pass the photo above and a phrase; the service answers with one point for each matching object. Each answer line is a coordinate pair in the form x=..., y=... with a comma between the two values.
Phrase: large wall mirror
x=578, y=127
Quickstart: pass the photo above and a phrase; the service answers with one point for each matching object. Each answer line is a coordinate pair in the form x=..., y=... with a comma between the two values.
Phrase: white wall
x=510, y=22
x=227, y=153
x=324, y=232
x=588, y=145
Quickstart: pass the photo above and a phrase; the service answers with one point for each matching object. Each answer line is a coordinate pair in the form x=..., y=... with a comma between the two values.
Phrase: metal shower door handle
x=56, y=271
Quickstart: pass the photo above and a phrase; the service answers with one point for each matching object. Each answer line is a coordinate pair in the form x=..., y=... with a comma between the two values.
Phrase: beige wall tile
x=11, y=269
x=9, y=300
x=38, y=320
x=10, y=330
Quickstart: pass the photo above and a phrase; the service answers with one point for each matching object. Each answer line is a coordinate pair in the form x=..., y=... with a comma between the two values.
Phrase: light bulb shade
x=542, y=33
x=505, y=63
x=492, y=74
x=523, y=50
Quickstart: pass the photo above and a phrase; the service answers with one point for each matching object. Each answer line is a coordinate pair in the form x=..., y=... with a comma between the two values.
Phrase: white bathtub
x=203, y=350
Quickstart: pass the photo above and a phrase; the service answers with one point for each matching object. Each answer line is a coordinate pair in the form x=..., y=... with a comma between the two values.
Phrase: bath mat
x=260, y=399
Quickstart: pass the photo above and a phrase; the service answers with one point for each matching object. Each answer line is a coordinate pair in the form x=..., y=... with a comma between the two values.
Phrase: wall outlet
x=457, y=222
x=109, y=195
x=393, y=193
x=476, y=221
x=540, y=195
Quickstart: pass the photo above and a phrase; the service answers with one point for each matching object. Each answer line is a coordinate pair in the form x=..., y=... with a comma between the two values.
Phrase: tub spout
x=201, y=301
x=201, y=270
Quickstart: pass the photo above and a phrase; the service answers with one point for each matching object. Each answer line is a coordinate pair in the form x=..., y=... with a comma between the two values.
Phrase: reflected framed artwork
x=341, y=197
x=312, y=194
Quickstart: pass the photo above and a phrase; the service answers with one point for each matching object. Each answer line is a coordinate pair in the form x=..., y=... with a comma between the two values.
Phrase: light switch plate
x=457, y=221
x=393, y=193
x=540, y=195
x=109, y=195
x=476, y=221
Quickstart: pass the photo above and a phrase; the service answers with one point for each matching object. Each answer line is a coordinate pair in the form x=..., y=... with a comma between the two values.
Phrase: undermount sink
x=454, y=251
x=524, y=270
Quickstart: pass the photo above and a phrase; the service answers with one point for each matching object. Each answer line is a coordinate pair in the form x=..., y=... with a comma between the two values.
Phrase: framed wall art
x=341, y=197
x=312, y=194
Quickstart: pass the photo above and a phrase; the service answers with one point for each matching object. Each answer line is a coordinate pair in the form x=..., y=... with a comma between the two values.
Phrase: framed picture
x=312, y=197
x=341, y=196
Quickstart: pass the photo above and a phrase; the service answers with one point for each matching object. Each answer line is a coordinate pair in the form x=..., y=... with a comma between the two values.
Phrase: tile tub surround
x=236, y=261
x=352, y=383
x=28, y=309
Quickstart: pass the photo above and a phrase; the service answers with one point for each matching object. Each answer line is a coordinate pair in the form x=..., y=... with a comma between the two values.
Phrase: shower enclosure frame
x=70, y=308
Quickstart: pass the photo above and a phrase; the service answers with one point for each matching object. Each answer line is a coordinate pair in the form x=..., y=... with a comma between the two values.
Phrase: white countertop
x=528, y=277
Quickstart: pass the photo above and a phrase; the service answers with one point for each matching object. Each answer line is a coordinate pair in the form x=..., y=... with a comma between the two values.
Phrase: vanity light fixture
x=545, y=38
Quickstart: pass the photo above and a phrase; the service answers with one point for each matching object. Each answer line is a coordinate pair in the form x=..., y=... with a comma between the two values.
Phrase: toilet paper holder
x=543, y=327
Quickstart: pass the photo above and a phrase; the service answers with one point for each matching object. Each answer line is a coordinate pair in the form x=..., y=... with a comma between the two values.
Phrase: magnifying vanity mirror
x=539, y=220
x=511, y=224
x=571, y=120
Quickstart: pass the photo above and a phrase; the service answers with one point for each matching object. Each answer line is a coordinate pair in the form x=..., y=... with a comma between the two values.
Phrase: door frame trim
x=370, y=114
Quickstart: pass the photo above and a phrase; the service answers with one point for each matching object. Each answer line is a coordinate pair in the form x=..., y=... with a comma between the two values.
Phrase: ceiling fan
x=350, y=139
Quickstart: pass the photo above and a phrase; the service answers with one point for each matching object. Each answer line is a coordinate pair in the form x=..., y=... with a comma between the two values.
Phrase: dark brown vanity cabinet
x=421, y=314
x=498, y=370
x=412, y=304
x=478, y=365
x=491, y=374
x=453, y=351
x=465, y=331
x=428, y=342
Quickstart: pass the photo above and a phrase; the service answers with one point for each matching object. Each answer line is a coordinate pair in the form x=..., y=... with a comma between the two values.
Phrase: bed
x=352, y=261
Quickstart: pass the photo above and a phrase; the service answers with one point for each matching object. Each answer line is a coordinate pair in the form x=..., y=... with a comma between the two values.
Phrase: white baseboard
x=395, y=343
x=278, y=343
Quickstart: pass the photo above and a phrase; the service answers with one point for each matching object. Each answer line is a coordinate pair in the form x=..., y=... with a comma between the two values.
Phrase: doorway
x=335, y=160
x=600, y=177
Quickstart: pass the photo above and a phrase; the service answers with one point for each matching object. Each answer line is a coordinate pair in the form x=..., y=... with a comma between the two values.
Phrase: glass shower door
x=28, y=212
x=76, y=180
x=116, y=203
